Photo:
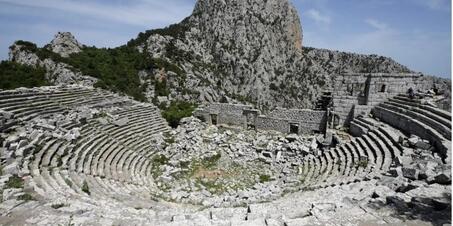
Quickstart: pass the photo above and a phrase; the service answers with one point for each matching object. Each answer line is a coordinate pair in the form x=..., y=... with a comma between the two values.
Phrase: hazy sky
x=416, y=33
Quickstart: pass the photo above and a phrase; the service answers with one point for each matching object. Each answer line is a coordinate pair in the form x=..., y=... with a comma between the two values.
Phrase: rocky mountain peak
x=65, y=44
x=269, y=23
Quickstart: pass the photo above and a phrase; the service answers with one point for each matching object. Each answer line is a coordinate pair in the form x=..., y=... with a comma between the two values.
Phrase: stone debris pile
x=213, y=166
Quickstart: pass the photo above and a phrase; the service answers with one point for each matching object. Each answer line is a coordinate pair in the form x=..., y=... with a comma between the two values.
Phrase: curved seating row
x=114, y=161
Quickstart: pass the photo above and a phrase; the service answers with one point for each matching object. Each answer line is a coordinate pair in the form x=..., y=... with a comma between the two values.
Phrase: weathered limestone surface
x=307, y=121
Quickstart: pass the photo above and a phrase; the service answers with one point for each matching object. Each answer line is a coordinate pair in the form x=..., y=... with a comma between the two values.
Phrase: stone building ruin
x=356, y=94
x=352, y=95
x=296, y=121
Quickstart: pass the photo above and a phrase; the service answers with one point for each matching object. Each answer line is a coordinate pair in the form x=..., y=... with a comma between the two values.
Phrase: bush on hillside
x=176, y=111
x=14, y=75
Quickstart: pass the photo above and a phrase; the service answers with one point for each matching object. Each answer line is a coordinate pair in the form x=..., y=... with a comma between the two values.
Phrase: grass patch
x=14, y=182
x=26, y=197
x=211, y=161
x=158, y=161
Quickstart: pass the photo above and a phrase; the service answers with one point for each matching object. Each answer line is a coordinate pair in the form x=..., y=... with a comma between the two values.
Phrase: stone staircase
x=375, y=146
x=411, y=116
x=113, y=161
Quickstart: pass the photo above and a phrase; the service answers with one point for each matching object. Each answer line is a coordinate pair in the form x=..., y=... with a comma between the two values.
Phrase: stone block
x=121, y=122
x=443, y=178
x=410, y=173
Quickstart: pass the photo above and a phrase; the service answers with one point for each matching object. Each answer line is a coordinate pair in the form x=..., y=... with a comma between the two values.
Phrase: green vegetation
x=68, y=182
x=117, y=69
x=14, y=182
x=58, y=205
x=85, y=188
x=169, y=138
x=158, y=161
x=174, y=30
x=362, y=163
x=265, y=178
x=14, y=75
x=26, y=197
x=211, y=161
x=176, y=111
x=161, y=88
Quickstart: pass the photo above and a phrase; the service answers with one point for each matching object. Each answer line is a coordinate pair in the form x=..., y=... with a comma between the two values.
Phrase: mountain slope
x=227, y=50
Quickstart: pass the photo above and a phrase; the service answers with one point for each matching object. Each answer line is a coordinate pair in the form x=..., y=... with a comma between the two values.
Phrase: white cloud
x=376, y=24
x=142, y=12
x=318, y=17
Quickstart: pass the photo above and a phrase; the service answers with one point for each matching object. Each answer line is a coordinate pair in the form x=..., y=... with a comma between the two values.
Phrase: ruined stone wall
x=230, y=114
x=266, y=123
x=308, y=121
x=356, y=94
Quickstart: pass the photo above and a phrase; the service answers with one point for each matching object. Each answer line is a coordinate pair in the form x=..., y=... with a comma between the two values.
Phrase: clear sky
x=416, y=33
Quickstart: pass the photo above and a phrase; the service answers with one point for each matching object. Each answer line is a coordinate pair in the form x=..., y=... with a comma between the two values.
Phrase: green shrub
x=169, y=138
x=265, y=178
x=26, y=197
x=68, y=182
x=26, y=46
x=176, y=111
x=14, y=75
x=85, y=188
x=174, y=30
x=161, y=89
x=160, y=160
x=362, y=164
x=15, y=182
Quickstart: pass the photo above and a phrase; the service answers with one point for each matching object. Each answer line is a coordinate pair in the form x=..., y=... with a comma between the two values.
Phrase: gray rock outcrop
x=251, y=51
x=58, y=73
x=65, y=44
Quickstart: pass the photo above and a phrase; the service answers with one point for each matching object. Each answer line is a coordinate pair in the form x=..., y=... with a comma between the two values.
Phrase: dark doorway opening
x=383, y=88
x=214, y=119
x=294, y=128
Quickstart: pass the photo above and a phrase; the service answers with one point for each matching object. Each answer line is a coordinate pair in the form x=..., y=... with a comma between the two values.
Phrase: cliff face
x=252, y=50
x=237, y=51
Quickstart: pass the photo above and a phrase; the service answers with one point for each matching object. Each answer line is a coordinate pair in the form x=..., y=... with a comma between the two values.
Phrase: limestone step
x=442, y=129
x=413, y=126
x=440, y=112
x=430, y=114
x=356, y=129
x=385, y=152
x=376, y=151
